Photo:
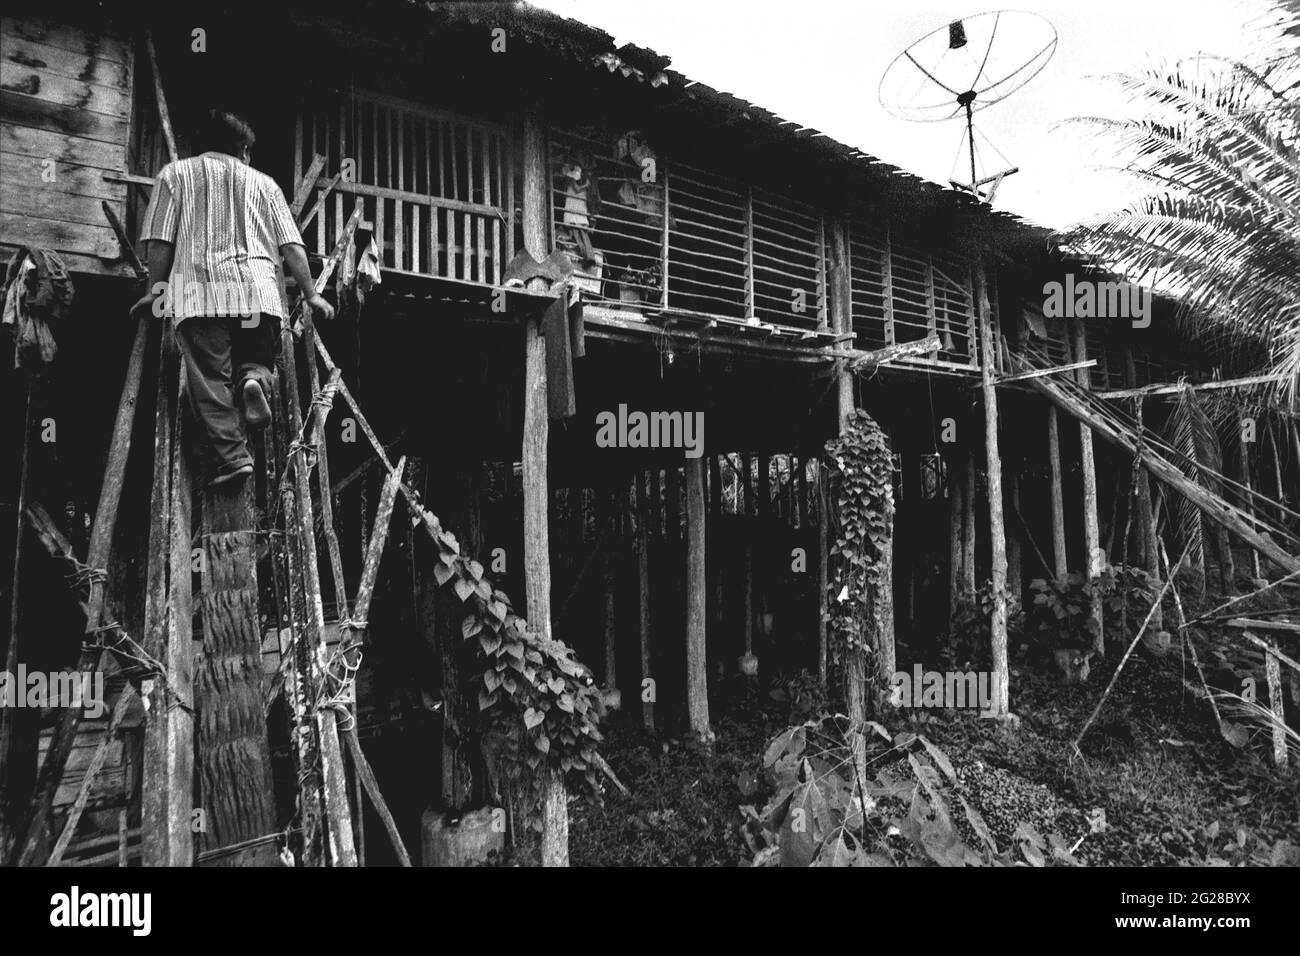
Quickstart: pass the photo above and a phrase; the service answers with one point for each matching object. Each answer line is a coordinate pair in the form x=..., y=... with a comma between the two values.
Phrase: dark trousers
x=221, y=354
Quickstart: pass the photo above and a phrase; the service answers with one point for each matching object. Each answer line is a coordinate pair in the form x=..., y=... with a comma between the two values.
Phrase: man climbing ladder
x=215, y=230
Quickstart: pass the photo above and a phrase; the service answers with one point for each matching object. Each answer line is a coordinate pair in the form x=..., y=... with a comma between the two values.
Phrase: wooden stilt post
x=956, y=549
x=856, y=674
x=1273, y=676
x=1149, y=531
x=613, y=524
x=537, y=548
x=997, y=532
x=697, y=687
x=1015, y=578
x=647, y=686
x=750, y=509
x=1091, y=533
x=968, y=536
x=1059, y=557
x=823, y=567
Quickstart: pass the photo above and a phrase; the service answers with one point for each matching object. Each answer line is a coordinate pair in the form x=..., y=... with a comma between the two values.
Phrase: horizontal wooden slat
x=21, y=110
x=77, y=65
x=28, y=173
x=40, y=144
x=52, y=204
x=78, y=263
x=60, y=236
x=64, y=91
x=102, y=42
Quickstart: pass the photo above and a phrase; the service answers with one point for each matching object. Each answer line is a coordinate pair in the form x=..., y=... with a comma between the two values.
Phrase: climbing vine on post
x=862, y=489
x=532, y=692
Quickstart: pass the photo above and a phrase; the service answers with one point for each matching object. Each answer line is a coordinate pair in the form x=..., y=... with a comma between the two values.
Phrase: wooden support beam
x=1150, y=530
x=537, y=548
x=997, y=531
x=612, y=524
x=1176, y=388
x=697, y=687
x=1040, y=372
x=956, y=548
x=968, y=535
x=1057, y=495
x=164, y=115
x=305, y=186
x=1088, y=464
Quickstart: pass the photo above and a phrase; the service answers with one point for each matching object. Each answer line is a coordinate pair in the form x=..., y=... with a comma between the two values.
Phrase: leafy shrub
x=826, y=812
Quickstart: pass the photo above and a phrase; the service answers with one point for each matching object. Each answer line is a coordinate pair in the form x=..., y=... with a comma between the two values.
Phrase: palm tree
x=1219, y=225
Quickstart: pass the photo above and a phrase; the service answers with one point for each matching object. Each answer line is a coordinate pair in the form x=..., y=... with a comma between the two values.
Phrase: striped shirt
x=227, y=222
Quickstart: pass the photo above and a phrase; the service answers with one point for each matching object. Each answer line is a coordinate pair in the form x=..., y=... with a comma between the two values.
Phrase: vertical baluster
x=455, y=194
x=480, y=223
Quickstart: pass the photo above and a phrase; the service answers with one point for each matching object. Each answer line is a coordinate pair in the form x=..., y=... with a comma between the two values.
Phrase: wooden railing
x=436, y=189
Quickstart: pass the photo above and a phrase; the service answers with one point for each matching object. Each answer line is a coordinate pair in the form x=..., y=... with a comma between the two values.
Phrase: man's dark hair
x=226, y=132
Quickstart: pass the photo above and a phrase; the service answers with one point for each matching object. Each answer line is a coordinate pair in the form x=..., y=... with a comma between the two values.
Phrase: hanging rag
x=37, y=294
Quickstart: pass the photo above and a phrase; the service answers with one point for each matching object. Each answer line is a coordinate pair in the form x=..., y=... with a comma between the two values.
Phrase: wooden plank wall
x=65, y=97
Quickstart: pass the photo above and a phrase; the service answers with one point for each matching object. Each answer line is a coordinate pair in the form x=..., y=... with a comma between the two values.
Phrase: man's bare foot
x=256, y=409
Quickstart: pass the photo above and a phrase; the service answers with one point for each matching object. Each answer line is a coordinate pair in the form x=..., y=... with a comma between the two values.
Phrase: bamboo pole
x=359, y=624
x=338, y=815
x=997, y=531
x=1211, y=506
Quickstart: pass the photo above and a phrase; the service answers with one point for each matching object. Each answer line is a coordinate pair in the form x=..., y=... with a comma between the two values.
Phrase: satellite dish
x=964, y=67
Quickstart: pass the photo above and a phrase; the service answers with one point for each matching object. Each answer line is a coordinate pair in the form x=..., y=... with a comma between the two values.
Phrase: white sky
x=819, y=62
